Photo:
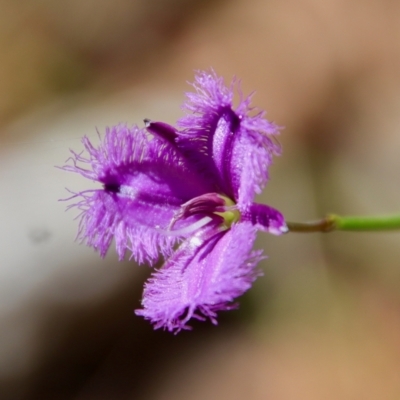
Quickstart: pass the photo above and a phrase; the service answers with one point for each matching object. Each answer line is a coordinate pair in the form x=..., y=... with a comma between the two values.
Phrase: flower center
x=231, y=213
x=211, y=206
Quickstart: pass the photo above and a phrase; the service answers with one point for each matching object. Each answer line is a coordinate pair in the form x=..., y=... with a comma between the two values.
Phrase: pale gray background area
x=324, y=321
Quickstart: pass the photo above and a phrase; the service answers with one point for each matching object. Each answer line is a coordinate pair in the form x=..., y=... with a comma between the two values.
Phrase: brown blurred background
x=324, y=321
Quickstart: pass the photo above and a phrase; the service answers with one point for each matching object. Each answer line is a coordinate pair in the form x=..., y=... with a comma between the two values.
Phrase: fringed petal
x=142, y=190
x=233, y=146
x=203, y=276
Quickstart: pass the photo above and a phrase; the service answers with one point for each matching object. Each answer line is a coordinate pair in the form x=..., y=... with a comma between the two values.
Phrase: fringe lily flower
x=187, y=193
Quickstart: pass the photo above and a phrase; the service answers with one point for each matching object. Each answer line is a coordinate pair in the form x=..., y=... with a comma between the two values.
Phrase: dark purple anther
x=161, y=129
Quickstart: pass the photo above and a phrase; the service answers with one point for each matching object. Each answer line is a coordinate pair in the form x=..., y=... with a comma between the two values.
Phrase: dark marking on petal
x=234, y=120
x=112, y=187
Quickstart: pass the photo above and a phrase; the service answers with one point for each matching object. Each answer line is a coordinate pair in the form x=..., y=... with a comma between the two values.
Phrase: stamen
x=187, y=229
x=161, y=129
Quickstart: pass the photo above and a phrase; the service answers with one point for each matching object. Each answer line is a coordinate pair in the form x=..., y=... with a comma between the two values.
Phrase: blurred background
x=324, y=321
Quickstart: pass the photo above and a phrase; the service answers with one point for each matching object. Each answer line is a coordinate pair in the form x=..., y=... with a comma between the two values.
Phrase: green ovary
x=230, y=216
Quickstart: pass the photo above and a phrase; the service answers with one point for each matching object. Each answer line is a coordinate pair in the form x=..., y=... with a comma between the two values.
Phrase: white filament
x=187, y=229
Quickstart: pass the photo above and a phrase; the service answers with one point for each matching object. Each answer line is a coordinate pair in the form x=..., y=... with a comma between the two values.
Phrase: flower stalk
x=333, y=222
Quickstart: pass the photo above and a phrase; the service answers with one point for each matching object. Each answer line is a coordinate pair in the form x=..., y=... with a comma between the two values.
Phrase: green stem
x=334, y=222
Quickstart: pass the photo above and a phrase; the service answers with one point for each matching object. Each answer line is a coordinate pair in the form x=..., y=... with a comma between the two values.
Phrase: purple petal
x=234, y=147
x=102, y=218
x=142, y=179
x=265, y=218
x=203, y=276
x=251, y=158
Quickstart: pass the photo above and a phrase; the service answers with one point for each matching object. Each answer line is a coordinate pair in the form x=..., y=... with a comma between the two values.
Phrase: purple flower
x=187, y=193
